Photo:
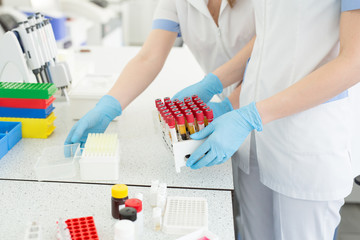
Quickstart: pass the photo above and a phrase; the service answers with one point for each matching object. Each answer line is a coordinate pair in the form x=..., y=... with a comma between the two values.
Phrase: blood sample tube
x=194, y=96
x=176, y=100
x=167, y=102
x=190, y=122
x=183, y=109
x=161, y=113
x=190, y=103
x=186, y=98
x=177, y=112
x=172, y=130
x=205, y=108
x=192, y=107
x=186, y=101
x=202, y=105
x=157, y=101
x=173, y=110
x=209, y=116
x=166, y=98
x=198, y=102
x=180, y=119
x=199, y=120
x=179, y=103
x=182, y=105
x=172, y=106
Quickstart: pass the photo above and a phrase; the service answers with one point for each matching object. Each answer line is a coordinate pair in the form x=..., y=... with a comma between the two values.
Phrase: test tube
x=182, y=105
x=181, y=125
x=172, y=130
x=192, y=107
x=179, y=103
x=194, y=96
x=205, y=108
x=209, y=116
x=161, y=113
x=199, y=115
x=190, y=103
x=190, y=122
x=173, y=110
x=176, y=100
x=198, y=102
x=158, y=100
x=167, y=98
x=182, y=109
x=172, y=106
x=167, y=102
x=202, y=105
x=186, y=101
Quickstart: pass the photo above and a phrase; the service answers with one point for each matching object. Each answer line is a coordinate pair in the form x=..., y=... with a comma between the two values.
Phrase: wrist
x=111, y=105
x=214, y=82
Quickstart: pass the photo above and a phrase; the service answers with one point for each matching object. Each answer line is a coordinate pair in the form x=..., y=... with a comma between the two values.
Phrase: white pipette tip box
x=100, y=158
x=185, y=215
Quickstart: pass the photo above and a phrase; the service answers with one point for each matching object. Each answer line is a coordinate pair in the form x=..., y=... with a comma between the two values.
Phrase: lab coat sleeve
x=166, y=17
x=348, y=5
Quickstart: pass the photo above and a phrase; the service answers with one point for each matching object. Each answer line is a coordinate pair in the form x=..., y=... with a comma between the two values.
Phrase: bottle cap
x=190, y=103
x=194, y=110
x=202, y=105
x=199, y=116
x=186, y=98
x=175, y=109
x=166, y=116
x=134, y=203
x=124, y=229
x=205, y=108
x=167, y=102
x=177, y=112
x=119, y=191
x=128, y=213
x=179, y=103
x=187, y=111
x=166, y=98
x=186, y=101
x=170, y=121
x=198, y=102
x=209, y=114
x=180, y=119
x=176, y=100
x=158, y=100
x=189, y=117
x=171, y=104
x=160, y=105
x=183, y=109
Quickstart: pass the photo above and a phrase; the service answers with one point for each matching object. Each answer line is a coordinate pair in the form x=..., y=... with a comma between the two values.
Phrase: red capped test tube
x=209, y=116
x=172, y=130
x=180, y=119
x=190, y=122
x=199, y=115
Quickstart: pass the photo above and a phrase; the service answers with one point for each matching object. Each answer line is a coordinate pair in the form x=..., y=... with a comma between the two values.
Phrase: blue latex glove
x=205, y=89
x=225, y=135
x=96, y=120
x=220, y=108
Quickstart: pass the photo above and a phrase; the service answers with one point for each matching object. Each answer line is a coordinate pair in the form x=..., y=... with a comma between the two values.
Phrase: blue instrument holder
x=10, y=134
x=26, y=112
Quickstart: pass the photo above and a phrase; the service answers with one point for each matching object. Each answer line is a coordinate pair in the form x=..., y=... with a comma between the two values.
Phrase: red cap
x=176, y=100
x=202, y=105
x=209, y=114
x=205, y=108
x=160, y=105
x=194, y=110
x=172, y=106
x=190, y=103
x=166, y=98
x=186, y=101
x=175, y=109
x=180, y=119
x=167, y=102
x=194, y=96
x=162, y=109
x=179, y=103
x=184, y=108
x=182, y=105
x=177, y=112
x=158, y=100
x=192, y=106
x=189, y=117
x=170, y=121
x=187, y=111
x=166, y=115
x=199, y=116
x=198, y=102
x=186, y=98
x=134, y=203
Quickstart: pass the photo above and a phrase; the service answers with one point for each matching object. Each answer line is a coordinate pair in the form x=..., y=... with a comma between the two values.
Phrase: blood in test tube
x=209, y=116
x=172, y=129
x=180, y=119
x=199, y=115
x=190, y=122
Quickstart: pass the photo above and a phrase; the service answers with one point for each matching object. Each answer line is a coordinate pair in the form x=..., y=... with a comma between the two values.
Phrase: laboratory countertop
x=144, y=156
x=24, y=202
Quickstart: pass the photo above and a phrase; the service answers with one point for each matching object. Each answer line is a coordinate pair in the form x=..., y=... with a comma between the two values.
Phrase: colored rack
x=34, y=127
x=10, y=134
x=82, y=228
x=27, y=90
x=26, y=103
x=26, y=112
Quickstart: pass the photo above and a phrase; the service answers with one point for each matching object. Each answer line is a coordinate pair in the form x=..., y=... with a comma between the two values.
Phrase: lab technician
x=213, y=30
x=294, y=121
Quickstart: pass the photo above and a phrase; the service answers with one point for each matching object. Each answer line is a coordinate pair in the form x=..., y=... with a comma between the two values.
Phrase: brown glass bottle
x=119, y=194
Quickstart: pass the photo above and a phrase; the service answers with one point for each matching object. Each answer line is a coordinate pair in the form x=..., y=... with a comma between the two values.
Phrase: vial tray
x=27, y=90
x=82, y=228
x=12, y=131
x=26, y=112
x=26, y=103
x=34, y=127
x=185, y=215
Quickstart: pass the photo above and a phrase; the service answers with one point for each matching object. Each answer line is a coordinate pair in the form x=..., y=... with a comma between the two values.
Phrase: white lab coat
x=211, y=45
x=306, y=155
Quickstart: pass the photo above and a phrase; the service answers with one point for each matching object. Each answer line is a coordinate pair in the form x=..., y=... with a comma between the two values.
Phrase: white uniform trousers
x=268, y=215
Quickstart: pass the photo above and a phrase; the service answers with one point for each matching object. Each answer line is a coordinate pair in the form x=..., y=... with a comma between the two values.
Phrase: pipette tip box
x=100, y=158
x=10, y=134
x=185, y=215
x=27, y=90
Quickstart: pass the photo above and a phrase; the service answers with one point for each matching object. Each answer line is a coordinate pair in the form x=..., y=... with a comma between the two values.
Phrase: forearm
x=316, y=88
x=233, y=70
x=234, y=97
x=134, y=79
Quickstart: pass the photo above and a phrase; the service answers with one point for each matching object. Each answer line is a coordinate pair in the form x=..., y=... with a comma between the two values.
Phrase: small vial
x=183, y=109
x=200, y=120
x=171, y=104
x=156, y=218
x=172, y=129
x=182, y=105
x=180, y=119
x=139, y=223
x=124, y=230
x=167, y=98
x=176, y=100
x=179, y=103
x=209, y=116
x=190, y=103
x=192, y=107
x=177, y=113
x=198, y=102
x=167, y=102
x=157, y=101
x=186, y=101
x=119, y=194
x=205, y=108
x=172, y=107
x=202, y=105
x=190, y=122
x=185, y=98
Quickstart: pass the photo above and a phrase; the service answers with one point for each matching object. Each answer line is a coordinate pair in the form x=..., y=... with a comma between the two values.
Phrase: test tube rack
x=185, y=215
x=30, y=104
x=82, y=228
x=100, y=159
x=181, y=150
x=10, y=134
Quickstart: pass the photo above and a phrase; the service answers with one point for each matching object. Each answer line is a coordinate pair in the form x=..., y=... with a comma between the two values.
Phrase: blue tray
x=12, y=130
x=26, y=112
x=3, y=145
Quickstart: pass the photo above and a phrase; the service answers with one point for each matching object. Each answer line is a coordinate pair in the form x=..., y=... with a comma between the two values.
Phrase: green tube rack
x=27, y=90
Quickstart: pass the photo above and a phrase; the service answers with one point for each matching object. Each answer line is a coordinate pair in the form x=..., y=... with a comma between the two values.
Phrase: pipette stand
x=11, y=54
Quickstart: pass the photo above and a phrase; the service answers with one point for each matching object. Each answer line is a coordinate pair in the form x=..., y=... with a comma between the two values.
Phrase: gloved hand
x=96, y=120
x=205, y=89
x=220, y=108
x=226, y=134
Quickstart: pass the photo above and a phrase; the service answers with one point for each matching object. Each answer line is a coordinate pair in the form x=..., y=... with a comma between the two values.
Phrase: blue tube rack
x=10, y=134
x=26, y=112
